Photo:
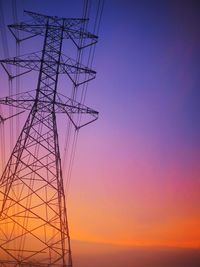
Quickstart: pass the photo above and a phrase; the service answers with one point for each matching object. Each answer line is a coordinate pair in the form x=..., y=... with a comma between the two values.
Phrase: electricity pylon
x=33, y=217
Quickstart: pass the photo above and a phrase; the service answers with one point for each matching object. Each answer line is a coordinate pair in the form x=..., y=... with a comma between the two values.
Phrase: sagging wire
x=6, y=55
x=84, y=86
x=17, y=48
x=67, y=152
x=2, y=137
x=91, y=54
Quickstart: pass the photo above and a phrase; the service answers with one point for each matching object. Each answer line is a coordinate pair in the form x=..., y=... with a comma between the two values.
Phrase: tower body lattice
x=33, y=218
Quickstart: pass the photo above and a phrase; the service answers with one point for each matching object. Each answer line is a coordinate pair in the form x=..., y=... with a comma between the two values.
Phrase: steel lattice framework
x=33, y=218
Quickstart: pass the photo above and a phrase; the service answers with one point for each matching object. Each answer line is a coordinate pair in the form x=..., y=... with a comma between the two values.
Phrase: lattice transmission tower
x=33, y=217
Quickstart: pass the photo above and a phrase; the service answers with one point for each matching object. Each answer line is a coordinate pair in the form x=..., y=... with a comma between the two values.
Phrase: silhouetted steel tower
x=33, y=218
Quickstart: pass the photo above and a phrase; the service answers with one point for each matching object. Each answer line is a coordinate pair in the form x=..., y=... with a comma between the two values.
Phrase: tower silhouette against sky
x=33, y=217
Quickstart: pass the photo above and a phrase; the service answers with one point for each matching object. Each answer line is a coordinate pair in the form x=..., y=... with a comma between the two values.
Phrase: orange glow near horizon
x=146, y=208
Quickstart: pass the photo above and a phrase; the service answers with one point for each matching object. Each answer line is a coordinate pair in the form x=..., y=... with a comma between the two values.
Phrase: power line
x=17, y=43
x=98, y=17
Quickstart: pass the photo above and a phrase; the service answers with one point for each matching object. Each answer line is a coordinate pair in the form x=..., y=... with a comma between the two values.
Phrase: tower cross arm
x=41, y=17
x=79, y=33
x=33, y=61
x=79, y=114
x=71, y=25
x=71, y=30
x=23, y=100
x=75, y=108
x=36, y=29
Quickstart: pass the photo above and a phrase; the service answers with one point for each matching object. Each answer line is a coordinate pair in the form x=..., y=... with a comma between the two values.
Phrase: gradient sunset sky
x=136, y=175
